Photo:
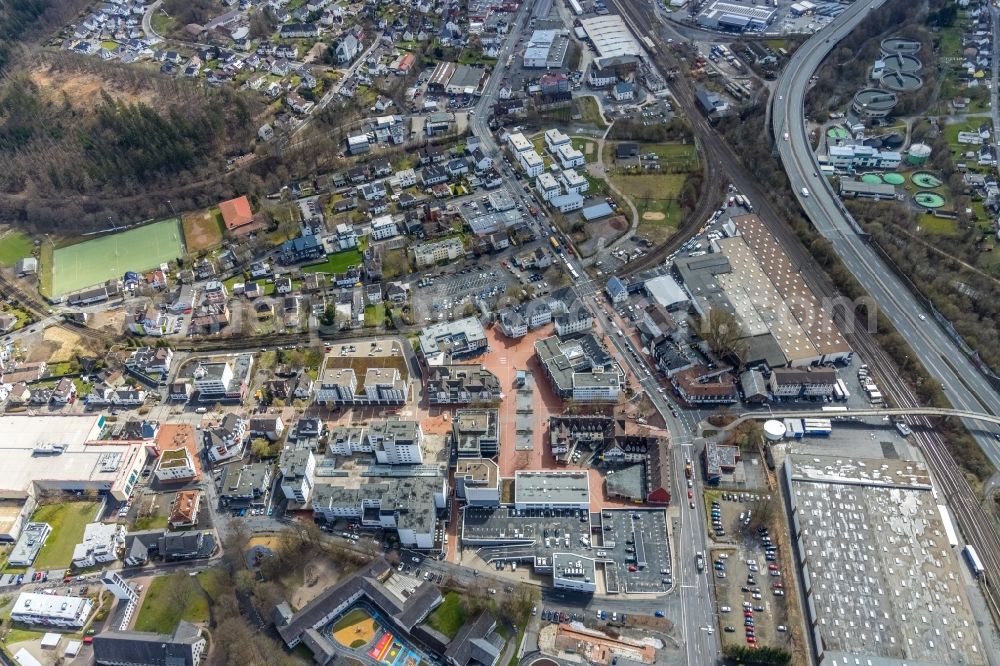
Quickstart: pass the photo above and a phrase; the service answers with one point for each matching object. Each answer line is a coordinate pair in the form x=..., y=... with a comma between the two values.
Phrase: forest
x=24, y=20
x=134, y=133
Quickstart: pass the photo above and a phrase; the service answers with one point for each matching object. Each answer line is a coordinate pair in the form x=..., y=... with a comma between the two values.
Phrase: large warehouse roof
x=610, y=36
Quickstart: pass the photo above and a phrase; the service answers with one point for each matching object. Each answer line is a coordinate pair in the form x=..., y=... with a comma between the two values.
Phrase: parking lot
x=630, y=545
x=729, y=520
x=747, y=577
x=447, y=296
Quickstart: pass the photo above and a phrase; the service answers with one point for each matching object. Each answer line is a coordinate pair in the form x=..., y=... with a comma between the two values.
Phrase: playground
x=369, y=639
x=356, y=629
x=92, y=262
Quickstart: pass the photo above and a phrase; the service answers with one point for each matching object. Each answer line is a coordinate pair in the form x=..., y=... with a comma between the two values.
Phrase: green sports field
x=91, y=262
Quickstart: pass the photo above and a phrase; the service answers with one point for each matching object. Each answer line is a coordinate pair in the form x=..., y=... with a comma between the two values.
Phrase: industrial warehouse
x=733, y=17
x=750, y=276
x=879, y=560
x=610, y=37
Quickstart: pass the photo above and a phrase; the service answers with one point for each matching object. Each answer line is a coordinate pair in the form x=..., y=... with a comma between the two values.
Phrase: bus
x=838, y=394
x=973, y=559
x=747, y=204
x=555, y=244
x=648, y=43
x=833, y=408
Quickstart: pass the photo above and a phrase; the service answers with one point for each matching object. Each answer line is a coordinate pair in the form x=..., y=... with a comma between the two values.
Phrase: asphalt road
x=692, y=608
x=965, y=387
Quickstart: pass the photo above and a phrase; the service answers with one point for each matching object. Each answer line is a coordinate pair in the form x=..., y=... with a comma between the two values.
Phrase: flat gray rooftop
x=552, y=487
x=883, y=584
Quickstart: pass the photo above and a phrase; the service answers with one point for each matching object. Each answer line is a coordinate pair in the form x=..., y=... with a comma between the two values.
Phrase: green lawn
x=18, y=635
x=937, y=225
x=154, y=522
x=449, y=617
x=590, y=112
x=951, y=42
x=374, y=315
x=169, y=600
x=67, y=521
x=335, y=263
x=655, y=194
x=15, y=245
x=162, y=23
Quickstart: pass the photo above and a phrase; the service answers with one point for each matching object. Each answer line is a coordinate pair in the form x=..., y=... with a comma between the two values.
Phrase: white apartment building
x=395, y=442
x=568, y=156
x=573, y=181
x=596, y=386
x=428, y=254
x=518, y=143
x=213, y=378
x=404, y=178
x=384, y=227
x=554, y=138
x=408, y=505
x=175, y=465
x=335, y=385
x=385, y=385
x=548, y=186
x=531, y=162
x=101, y=542
x=347, y=441
x=298, y=472
x=51, y=610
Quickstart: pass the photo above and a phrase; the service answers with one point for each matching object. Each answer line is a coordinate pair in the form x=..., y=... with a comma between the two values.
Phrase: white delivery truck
x=805, y=191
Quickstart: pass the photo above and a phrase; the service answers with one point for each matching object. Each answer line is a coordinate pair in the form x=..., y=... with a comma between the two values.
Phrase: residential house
x=347, y=49
x=270, y=427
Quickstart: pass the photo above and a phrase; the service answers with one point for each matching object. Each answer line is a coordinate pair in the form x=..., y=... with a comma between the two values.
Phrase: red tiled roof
x=236, y=212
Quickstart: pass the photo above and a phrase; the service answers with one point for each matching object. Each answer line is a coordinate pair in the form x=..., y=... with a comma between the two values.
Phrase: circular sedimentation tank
x=925, y=179
x=874, y=102
x=893, y=179
x=928, y=200
x=900, y=45
x=901, y=81
x=871, y=178
x=902, y=63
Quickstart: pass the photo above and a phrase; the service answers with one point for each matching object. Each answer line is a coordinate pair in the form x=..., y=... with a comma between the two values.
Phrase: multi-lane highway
x=965, y=387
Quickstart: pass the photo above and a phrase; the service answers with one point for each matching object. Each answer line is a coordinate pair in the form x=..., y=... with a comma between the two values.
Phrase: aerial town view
x=499, y=332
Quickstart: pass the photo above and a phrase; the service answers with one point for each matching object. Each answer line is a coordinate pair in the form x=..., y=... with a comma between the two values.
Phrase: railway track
x=976, y=525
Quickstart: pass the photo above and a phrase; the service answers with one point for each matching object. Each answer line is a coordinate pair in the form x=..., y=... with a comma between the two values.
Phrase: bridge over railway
x=867, y=411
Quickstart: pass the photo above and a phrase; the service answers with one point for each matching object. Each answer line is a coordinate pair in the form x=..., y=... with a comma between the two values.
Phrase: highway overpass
x=865, y=411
